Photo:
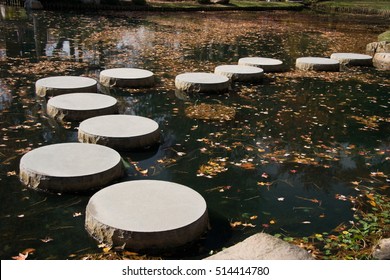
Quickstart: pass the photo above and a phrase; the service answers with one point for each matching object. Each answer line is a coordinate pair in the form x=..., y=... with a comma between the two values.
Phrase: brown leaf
x=28, y=251
x=20, y=257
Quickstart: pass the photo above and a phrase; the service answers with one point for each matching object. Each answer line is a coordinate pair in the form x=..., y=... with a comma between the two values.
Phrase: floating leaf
x=20, y=257
x=47, y=239
x=235, y=224
x=210, y=112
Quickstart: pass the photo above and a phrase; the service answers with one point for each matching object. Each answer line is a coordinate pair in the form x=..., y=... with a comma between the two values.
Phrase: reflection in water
x=297, y=141
x=5, y=96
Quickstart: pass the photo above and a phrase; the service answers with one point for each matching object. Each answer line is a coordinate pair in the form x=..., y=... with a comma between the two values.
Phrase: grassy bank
x=381, y=7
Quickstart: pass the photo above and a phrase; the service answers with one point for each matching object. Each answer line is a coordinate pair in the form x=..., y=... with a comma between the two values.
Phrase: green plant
x=354, y=240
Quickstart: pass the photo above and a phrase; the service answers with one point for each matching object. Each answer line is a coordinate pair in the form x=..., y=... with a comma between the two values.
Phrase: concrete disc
x=267, y=64
x=317, y=64
x=354, y=59
x=241, y=73
x=127, y=77
x=57, y=85
x=70, y=167
x=81, y=106
x=122, y=132
x=146, y=214
x=200, y=82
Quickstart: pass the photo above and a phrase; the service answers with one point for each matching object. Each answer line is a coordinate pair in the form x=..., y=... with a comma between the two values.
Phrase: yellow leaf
x=235, y=224
x=106, y=249
x=248, y=225
x=373, y=204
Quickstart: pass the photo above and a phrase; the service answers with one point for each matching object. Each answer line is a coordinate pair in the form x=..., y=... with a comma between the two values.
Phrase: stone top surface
x=119, y=126
x=127, y=73
x=66, y=82
x=260, y=61
x=202, y=78
x=147, y=206
x=350, y=56
x=70, y=160
x=317, y=60
x=82, y=101
x=239, y=69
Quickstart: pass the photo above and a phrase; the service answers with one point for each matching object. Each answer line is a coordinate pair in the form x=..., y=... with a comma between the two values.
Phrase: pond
x=299, y=145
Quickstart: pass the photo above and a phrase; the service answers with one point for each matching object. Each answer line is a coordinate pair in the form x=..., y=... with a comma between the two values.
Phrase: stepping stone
x=127, y=77
x=317, y=64
x=267, y=64
x=241, y=73
x=353, y=59
x=121, y=132
x=70, y=167
x=200, y=82
x=382, y=61
x=53, y=86
x=146, y=214
x=81, y=106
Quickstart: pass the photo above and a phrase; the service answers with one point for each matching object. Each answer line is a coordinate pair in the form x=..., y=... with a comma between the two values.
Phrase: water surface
x=297, y=146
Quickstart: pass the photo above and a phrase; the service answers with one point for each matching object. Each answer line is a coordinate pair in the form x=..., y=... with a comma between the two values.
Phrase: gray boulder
x=262, y=246
x=382, y=250
x=381, y=61
x=378, y=47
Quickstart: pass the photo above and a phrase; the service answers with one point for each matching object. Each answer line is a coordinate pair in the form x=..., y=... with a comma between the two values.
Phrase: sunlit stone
x=200, y=82
x=121, y=132
x=81, y=106
x=240, y=73
x=57, y=85
x=317, y=64
x=382, y=61
x=127, y=77
x=146, y=214
x=70, y=167
x=353, y=59
x=267, y=64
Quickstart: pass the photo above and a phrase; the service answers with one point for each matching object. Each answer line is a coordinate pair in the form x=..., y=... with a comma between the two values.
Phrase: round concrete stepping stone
x=382, y=61
x=353, y=59
x=241, y=73
x=127, y=77
x=122, y=132
x=57, y=85
x=146, y=214
x=317, y=64
x=267, y=64
x=81, y=106
x=200, y=82
x=70, y=167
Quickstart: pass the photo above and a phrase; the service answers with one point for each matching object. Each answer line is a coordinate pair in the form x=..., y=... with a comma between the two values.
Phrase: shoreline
x=234, y=5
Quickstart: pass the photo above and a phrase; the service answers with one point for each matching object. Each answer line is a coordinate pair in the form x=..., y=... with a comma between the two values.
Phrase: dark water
x=297, y=143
